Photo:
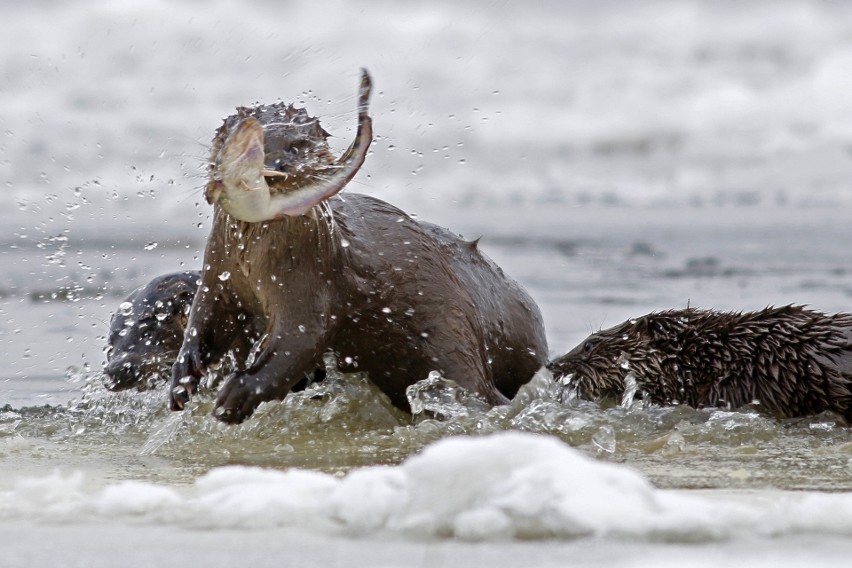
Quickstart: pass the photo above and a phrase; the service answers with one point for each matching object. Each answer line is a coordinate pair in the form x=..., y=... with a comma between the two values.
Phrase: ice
x=497, y=487
x=130, y=499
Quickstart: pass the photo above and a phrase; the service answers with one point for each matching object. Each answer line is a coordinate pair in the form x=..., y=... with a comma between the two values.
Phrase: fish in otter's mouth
x=255, y=180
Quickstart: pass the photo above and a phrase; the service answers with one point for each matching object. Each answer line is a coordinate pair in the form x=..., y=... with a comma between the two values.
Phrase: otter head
x=616, y=360
x=271, y=162
x=147, y=331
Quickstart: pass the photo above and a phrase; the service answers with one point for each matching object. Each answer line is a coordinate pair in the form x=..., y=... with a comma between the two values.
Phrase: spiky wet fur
x=794, y=361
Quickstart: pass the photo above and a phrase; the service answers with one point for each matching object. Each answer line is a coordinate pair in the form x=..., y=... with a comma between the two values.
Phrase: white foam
x=503, y=486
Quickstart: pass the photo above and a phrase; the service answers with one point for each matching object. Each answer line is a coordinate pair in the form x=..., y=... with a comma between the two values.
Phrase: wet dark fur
x=794, y=361
x=143, y=342
x=389, y=295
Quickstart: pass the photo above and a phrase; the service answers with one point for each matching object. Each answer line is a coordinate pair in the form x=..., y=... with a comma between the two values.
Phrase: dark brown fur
x=792, y=360
x=144, y=339
x=389, y=295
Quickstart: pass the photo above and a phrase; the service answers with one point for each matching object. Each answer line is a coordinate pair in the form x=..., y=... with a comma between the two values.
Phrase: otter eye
x=588, y=346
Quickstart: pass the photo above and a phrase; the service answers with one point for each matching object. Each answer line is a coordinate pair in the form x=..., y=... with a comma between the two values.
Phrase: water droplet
x=193, y=332
x=302, y=328
x=386, y=310
x=125, y=308
x=344, y=243
x=224, y=276
x=150, y=246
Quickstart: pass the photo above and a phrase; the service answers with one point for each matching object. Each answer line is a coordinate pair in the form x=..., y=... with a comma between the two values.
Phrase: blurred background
x=616, y=157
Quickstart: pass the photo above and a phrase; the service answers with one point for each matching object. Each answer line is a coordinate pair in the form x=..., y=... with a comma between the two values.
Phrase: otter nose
x=122, y=373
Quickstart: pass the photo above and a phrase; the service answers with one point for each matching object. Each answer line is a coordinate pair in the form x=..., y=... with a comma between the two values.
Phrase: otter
x=792, y=360
x=348, y=274
x=147, y=331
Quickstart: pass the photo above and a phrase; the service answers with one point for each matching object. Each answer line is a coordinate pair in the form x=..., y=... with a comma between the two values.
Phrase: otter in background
x=793, y=361
x=148, y=328
x=147, y=331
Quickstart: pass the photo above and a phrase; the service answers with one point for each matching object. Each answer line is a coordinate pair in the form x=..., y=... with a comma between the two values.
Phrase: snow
x=500, y=487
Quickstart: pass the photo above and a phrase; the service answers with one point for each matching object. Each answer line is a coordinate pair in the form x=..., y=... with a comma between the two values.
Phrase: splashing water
x=345, y=422
x=442, y=398
x=630, y=388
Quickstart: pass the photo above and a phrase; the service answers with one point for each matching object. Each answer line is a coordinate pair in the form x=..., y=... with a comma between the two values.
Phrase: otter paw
x=186, y=372
x=238, y=398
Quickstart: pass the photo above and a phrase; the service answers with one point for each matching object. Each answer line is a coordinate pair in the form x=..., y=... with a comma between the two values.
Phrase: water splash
x=604, y=439
x=630, y=388
x=346, y=421
x=437, y=397
x=165, y=434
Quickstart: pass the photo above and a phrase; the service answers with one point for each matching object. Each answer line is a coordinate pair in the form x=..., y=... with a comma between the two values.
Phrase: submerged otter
x=352, y=275
x=147, y=331
x=792, y=360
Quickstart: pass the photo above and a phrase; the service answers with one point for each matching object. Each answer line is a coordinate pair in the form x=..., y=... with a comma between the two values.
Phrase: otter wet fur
x=793, y=361
x=147, y=331
x=349, y=274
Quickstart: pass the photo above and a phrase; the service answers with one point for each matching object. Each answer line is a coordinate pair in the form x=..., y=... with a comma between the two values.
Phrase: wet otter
x=353, y=275
x=792, y=360
x=146, y=332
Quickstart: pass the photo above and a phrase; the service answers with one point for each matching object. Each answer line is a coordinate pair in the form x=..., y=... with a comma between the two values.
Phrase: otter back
x=792, y=360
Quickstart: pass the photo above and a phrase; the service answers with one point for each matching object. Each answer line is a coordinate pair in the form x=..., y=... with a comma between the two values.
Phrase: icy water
x=615, y=158
x=598, y=271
